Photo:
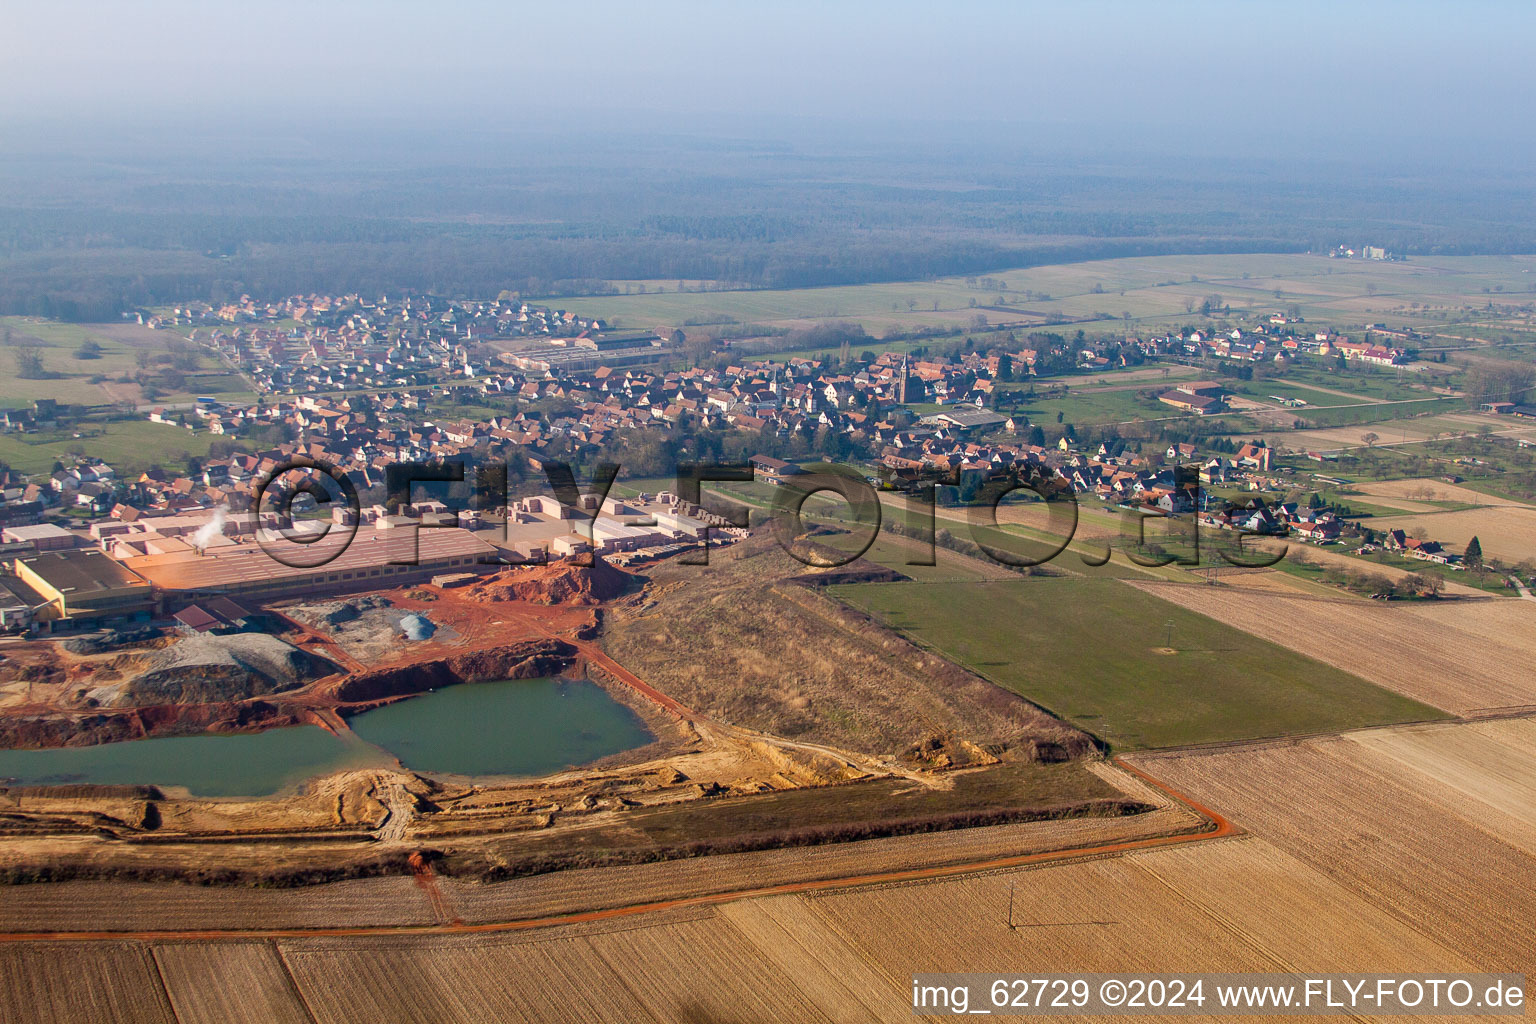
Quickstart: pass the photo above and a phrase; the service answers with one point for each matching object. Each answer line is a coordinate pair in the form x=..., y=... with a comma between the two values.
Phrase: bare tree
x=29, y=364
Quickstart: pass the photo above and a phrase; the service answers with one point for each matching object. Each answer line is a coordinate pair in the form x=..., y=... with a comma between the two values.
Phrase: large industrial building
x=372, y=560
x=81, y=587
x=164, y=564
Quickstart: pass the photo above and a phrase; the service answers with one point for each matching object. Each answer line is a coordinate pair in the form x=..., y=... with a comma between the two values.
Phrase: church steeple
x=901, y=383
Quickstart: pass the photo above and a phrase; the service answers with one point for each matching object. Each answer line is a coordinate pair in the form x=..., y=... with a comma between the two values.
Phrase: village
x=357, y=387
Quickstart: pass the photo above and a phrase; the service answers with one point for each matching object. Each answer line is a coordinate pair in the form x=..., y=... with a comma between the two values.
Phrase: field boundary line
x=293, y=983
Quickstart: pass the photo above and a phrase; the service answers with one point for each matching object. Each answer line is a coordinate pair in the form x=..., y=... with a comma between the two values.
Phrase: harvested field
x=788, y=933
x=1354, y=863
x=1353, y=436
x=695, y=967
x=229, y=983
x=713, y=972
x=584, y=889
x=847, y=956
x=1363, y=820
x=67, y=984
x=1455, y=655
x=1095, y=916
x=1506, y=532
x=1343, y=931
x=127, y=906
x=1231, y=905
x=1488, y=765
x=459, y=980
x=1422, y=489
x=1270, y=581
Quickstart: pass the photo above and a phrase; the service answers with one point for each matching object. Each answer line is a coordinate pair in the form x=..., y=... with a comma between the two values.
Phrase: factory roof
x=81, y=572
x=248, y=562
x=39, y=531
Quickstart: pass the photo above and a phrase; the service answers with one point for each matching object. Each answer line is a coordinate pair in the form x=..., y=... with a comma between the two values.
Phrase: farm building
x=965, y=420
x=1202, y=397
x=773, y=471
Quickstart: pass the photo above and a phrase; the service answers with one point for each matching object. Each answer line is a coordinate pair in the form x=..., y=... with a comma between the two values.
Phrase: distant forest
x=88, y=236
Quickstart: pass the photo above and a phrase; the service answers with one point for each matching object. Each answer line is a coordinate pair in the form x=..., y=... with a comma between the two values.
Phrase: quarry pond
x=515, y=727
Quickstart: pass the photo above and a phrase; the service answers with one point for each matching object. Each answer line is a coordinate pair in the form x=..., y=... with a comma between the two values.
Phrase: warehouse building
x=83, y=588
x=369, y=562
x=42, y=537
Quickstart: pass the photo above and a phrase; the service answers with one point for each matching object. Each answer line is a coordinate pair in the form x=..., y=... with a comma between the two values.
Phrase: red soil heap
x=556, y=583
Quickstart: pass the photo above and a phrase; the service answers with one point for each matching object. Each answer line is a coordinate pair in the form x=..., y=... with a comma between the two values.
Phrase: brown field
x=562, y=979
x=1506, y=532
x=1227, y=906
x=70, y=983
x=568, y=891
x=1343, y=932
x=1461, y=655
x=1098, y=915
x=1329, y=556
x=1410, y=429
x=1121, y=380
x=1405, y=505
x=1488, y=764
x=1396, y=836
x=229, y=983
x=789, y=933
x=693, y=966
x=1269, y=581
x=1385, y=850
x=723, y=974
x=1427, y=489
x=127, y=906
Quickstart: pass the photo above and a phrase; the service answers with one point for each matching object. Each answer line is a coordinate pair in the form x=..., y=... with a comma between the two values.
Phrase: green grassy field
x=849, y=302
x=1157, y=290
x=1089, y=407
x=1092, y=651
x=874, y=345
x=128, y=446
x=1362, y=385
x=74, y=381
x=1380, y=413
x=1269, y=389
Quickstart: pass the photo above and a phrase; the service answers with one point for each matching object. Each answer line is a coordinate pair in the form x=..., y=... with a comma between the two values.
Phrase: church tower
x=901, y=382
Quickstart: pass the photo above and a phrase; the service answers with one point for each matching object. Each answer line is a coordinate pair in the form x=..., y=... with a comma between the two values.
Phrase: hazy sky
x=1200, y=74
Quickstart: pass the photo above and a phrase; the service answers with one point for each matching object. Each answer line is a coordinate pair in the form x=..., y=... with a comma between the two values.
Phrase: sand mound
x=557, y=583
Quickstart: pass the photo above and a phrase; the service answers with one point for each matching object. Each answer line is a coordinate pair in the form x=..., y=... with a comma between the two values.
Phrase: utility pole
x=1011, y=926
x=1169, y=644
